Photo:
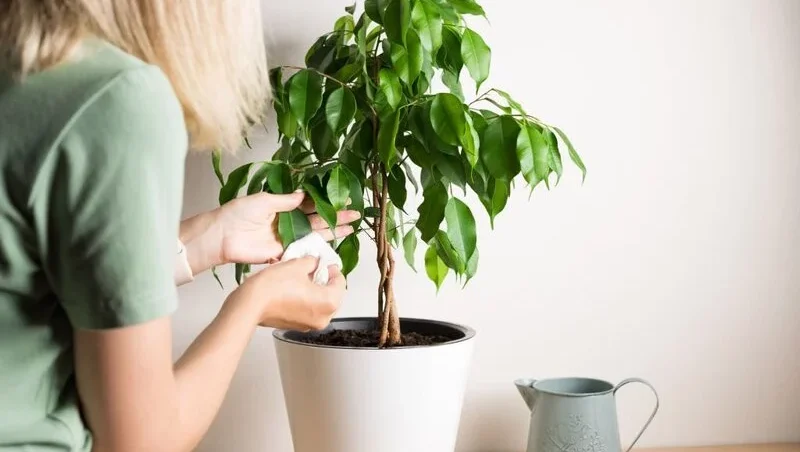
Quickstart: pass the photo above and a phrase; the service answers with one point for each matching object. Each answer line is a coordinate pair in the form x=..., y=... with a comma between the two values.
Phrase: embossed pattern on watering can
x=574, y=435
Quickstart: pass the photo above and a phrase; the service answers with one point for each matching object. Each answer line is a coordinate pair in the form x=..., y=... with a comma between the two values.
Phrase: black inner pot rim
x=409, y=325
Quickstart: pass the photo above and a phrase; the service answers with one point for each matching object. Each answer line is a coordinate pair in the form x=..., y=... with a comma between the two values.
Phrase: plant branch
x=318, y=72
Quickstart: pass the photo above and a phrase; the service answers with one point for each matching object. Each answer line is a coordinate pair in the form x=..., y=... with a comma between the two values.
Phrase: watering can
x=575, y=414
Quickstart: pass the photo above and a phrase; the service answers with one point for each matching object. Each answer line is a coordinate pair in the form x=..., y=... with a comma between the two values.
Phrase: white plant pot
x=405, y=399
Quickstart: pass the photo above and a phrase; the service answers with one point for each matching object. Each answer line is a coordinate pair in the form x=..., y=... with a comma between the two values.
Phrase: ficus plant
x=362, y=124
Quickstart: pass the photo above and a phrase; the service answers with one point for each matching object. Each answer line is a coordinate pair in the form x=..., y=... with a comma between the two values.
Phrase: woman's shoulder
x=97, y=75
x=103, y=73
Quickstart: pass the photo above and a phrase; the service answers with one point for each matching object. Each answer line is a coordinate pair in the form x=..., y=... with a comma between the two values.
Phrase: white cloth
x=314, y=245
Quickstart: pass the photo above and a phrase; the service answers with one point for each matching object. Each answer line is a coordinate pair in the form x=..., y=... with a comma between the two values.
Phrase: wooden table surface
x=787, y=447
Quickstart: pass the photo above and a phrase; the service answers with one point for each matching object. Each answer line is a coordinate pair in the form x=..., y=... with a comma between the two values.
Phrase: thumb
x=285, y=203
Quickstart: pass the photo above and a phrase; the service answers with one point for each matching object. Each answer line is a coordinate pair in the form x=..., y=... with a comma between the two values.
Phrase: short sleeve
x=114, y=193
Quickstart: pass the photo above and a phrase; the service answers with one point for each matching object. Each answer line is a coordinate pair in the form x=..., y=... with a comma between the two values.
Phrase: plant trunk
x=388, y=318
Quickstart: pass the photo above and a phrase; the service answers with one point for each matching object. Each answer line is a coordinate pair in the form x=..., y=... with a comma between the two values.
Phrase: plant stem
x=389, y=321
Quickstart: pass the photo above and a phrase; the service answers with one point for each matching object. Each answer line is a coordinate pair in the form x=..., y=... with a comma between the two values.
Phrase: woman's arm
x=133, y=396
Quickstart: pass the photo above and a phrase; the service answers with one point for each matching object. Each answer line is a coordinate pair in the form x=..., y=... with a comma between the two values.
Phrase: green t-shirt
x=91, y=179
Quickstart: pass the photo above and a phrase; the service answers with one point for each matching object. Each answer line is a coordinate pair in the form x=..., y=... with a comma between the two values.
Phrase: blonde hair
x=212, y=51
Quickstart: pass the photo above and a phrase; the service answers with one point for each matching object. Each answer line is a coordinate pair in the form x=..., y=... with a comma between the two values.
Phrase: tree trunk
x=388, y=318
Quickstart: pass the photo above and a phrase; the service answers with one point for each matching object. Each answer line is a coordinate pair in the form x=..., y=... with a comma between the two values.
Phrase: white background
x=676, y=261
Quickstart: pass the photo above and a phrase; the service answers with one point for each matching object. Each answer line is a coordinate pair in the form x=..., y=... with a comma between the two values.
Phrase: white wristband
x=183, y=272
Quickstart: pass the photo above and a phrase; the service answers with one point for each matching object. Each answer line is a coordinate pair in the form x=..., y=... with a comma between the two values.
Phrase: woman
x=99, y=101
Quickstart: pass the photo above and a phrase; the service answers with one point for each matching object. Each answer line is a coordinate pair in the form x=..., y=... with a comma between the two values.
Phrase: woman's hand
x=285, y=296
x=244, y=230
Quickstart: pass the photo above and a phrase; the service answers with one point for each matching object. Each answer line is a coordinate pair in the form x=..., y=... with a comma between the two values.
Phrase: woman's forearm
x=135, y=398
x=204, y=372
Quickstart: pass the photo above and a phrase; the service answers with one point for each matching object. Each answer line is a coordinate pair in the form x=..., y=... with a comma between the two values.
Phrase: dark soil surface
x=369, y=338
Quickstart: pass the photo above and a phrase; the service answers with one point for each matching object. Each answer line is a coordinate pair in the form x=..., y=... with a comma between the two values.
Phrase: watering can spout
x=526, y=389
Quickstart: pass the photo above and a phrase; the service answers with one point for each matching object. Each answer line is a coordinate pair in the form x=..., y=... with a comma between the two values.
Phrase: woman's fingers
x=343, y=217
x=340, y=231
x=308, y=206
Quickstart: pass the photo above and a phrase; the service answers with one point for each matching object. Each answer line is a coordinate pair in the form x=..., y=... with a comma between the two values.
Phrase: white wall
x=677, y=261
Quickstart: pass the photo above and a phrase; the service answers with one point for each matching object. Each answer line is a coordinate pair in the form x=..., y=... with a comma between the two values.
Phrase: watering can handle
x=655, y=410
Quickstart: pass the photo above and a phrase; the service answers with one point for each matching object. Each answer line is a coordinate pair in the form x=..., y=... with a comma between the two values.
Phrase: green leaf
x=431, y=210
x=292, y=226
x=472, y=267
x=461, y=228
x=533, y=154
x=426, y=19
x=305, y=94
x=448, y=253
x=449, y=14
x=449, y=54
x=360, y=33
x=284, y=151
x=503, y=108
x=392, y=232
x=237, y=179
x=467, y=7
x=348, y=72
x=452, y=169
x=397, y=187
x=410, y=247
x=372, y=212
x=407, y=61
x=389, y=86
x=279, y=180
x=356, y=195
x=362, y=140
x=452, y=83
x=511, y=102
x=287, y=122
x=555, y=155
x=497, y=193
x=476, y=55
x=410, y=174
x=576, y=159
x=447, y=118
x=276, y=83
x=488, y=114
x=345, y=24
x=386, y=139
x=338, y=188
x=256, y=184
x=435, y=267
x=323, y=207
x=348, y=252
x=350, y=9
x=324, y=141
x=478, y=122
x=397, y=19
x=375, y=9
x=471, y=142
x=216, y=276
x=498, y=148
x=340, y=109
x=240, y=270
x=216, y=160
x=419, y=155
